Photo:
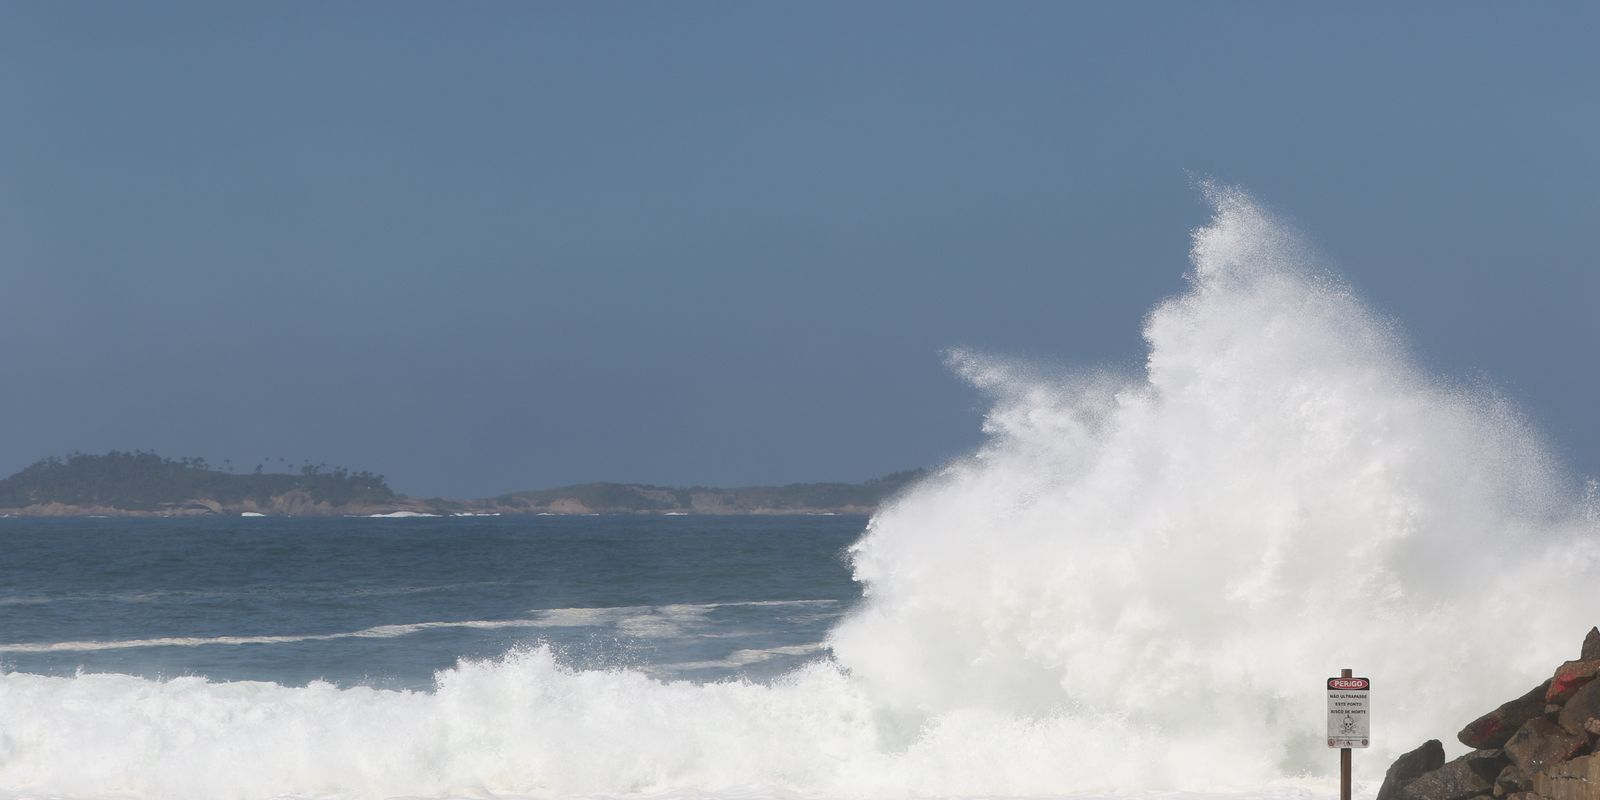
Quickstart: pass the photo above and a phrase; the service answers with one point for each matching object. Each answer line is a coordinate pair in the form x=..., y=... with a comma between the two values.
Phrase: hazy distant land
x=140, y=484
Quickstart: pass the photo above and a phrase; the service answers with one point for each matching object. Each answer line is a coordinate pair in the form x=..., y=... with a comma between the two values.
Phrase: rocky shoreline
x=1540, y=746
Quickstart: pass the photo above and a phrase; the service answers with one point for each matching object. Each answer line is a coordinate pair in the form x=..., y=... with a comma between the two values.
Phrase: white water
x=1139, y=583
x=634, y=621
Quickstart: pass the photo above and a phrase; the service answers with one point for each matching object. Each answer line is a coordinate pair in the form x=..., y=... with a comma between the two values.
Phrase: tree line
x=144, y=481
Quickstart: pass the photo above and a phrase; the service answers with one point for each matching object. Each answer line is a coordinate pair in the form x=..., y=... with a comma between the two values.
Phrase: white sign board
x=1347, y=712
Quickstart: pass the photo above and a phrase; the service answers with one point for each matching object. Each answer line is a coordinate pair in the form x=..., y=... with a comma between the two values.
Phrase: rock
x=1578, y=779
x=1591, y=646
x=1457, y=780
x=1525, y=796
x=200, y=507
x=1409, y=767
x=1511, y=780
x=1488, y=763
x=1584, y=706
x=1494, y=729
x=1571, y=677
x=1592, y=727
x=1541, y=743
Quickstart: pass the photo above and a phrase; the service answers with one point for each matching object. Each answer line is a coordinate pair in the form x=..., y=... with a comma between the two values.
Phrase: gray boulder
x=1541, y=743
x=1584, y=706
x=1511, y=780
x=1457, y=780
x=1409, y=767
x=1569, y=678
x=1487, y=763
x=1495, y=728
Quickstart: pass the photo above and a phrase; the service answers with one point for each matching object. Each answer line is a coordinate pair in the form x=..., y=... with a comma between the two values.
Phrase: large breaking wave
x=1139, y=582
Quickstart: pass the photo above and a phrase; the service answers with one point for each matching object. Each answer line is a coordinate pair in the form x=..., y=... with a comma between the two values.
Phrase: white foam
x=638, y=621
x=375, y=632
x=523, y=726
x=744, y=658
x=400, y=515
x=1282, y=493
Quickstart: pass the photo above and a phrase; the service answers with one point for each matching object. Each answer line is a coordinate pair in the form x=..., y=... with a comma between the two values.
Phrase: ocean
x=1137, y=586
x=390, y=602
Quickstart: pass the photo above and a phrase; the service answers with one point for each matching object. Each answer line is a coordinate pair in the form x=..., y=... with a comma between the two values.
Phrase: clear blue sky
x=482, y=247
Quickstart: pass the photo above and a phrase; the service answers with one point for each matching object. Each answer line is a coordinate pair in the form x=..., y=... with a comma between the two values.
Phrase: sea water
x=1136, y=586
x=390, y=602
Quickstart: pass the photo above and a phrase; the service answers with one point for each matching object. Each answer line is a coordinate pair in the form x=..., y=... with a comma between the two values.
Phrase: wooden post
x=1344, y=758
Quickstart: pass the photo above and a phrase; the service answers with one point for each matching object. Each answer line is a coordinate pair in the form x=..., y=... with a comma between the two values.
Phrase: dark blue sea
x=390, y=602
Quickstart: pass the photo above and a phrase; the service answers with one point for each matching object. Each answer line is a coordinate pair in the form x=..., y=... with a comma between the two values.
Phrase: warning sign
x=1347, y=712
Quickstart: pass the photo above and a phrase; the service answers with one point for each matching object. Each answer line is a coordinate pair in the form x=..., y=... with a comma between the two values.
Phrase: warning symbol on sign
x=1348, y=723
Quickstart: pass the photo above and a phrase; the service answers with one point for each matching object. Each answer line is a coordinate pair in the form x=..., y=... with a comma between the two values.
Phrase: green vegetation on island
x=140, y=484
x=631, y=498
x=140, y=481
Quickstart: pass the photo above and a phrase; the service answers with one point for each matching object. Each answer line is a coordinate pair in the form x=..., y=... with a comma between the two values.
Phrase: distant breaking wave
x=1138, y=582
x=642, y=621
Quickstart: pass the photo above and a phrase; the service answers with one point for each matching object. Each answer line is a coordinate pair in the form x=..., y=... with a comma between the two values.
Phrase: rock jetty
x=1540, y=746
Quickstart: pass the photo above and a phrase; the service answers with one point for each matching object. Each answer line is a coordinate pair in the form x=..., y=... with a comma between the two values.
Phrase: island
x=138, y=483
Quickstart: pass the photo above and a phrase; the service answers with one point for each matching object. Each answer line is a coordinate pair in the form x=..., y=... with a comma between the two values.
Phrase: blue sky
x=483, y=247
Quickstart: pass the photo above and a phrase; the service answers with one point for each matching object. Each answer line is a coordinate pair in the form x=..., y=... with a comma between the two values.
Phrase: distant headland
x=143, y=484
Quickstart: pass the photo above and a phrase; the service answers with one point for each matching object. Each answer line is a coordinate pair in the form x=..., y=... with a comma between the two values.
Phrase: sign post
x=1348, y=722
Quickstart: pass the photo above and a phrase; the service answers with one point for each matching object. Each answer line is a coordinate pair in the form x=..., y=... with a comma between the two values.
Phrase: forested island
x=138, y=483
x=630, y=498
